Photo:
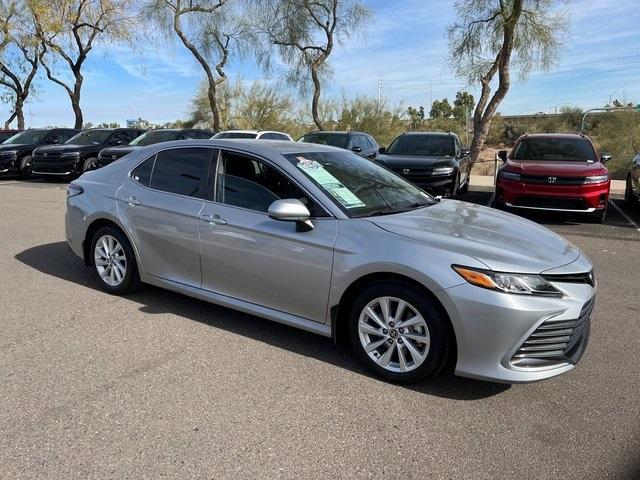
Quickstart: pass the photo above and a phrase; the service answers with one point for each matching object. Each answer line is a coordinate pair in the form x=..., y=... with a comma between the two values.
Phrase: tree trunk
x=19, y=113
x=316, y=98
x=75, y=100
x=213, y=104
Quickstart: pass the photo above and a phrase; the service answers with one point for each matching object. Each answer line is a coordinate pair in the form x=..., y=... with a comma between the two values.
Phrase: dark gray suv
x=358, y=142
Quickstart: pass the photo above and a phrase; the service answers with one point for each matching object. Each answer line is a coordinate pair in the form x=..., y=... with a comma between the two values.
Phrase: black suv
x=15, y=153
x=110, y=154
x=433, y=161
x=358, y=142
x=79, y=153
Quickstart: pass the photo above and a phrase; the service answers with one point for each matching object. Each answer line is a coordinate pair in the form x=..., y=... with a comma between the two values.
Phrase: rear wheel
x=629, y=196
x=114, y=262
x=398, y=333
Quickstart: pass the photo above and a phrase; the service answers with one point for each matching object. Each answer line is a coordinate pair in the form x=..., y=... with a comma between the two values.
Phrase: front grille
x=47, y=156
x=550, y=202
x=57, y=167
x=587, y=278
x=413, y=172
x=547, y=180
x=556, y=342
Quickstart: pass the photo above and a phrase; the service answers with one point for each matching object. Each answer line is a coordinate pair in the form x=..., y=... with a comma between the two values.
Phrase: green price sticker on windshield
x=330, y=183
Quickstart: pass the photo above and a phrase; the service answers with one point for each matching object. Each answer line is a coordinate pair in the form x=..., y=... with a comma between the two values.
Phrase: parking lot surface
x=157, y=385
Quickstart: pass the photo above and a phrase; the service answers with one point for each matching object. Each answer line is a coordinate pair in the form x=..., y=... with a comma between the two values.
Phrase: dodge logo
x=552, y=179
x=113, y=157
x=44, y=154
x=405, y=171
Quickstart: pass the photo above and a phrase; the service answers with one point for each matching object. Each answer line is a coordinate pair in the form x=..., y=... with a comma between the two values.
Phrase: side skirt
x=241, y=305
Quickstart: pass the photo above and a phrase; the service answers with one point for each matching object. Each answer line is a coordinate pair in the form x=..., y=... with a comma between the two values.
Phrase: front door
x=248, y=256
x=161, y=205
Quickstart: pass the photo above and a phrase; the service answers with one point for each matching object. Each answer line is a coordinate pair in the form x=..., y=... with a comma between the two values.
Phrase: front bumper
x=497, y=332
x=56, y=167
x=434, y=184
x=8, y=163
x=584, y=198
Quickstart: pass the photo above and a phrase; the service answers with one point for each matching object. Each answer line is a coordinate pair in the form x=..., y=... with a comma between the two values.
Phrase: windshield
x=423, y=145
x=156, y=136
x=360, y=187
x=339, y=140
x=235, y=135
x=569, y=149
x=90, y=137
x=27, y=137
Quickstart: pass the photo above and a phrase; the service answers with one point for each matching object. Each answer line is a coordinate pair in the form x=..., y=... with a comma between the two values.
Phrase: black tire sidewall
x=22, y=170
x=87, y=162
x=439, y=331
x=131, y=278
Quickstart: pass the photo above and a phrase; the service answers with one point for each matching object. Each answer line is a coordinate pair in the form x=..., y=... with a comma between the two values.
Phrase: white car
x=255, y=134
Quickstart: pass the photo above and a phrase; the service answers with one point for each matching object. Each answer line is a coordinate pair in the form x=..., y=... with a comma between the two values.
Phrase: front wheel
x=25, y=167
x=114, y=262
x=399, y=333
x=89, y=164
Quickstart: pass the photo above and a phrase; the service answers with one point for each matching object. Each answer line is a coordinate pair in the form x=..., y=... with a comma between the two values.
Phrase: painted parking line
x=627, y=217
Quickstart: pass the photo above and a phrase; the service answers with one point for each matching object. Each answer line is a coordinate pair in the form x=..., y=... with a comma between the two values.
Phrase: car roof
x=251, y=131
x=333, y=132
x=433, y=134
x=252, y=145
x=566, y=136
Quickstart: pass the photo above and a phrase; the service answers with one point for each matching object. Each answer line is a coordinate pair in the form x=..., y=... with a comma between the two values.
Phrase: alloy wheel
x=394, y=334
x=110, y=260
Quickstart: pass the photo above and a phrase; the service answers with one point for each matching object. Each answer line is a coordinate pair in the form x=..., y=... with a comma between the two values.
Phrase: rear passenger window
x=181, y=171
x=142, y=173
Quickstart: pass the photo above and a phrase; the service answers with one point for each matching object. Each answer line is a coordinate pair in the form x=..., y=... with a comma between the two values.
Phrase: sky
x=404, y=45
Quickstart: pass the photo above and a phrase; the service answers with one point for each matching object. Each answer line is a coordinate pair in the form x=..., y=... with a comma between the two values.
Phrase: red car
x=560, y=172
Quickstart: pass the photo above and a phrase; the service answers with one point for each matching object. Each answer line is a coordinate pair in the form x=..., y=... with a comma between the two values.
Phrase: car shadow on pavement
x=57, y=260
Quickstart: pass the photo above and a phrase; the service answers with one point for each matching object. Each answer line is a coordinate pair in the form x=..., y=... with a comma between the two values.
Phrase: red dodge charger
x=560, y=172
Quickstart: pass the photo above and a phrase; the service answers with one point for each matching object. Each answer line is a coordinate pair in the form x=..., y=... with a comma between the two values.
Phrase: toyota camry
x=325, y=240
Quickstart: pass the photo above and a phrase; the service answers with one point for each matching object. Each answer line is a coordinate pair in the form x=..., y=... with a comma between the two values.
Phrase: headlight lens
x=519, y=283
x=597, y=179
x=442, y=171
x=70, y=154
x=510, y=176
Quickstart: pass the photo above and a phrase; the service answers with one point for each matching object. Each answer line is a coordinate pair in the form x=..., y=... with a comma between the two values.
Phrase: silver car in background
x=324, y=240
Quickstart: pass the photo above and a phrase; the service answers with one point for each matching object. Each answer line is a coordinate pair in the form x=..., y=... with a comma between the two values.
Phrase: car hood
x=409, y=161
x=502, y=241
x=554, y=168
x=67, y=147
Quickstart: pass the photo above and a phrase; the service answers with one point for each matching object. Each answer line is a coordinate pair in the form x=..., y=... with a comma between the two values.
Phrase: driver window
x=242, y=181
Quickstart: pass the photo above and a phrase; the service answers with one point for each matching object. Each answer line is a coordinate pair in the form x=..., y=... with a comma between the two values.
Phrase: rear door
x=251, y=257
x=161, y=204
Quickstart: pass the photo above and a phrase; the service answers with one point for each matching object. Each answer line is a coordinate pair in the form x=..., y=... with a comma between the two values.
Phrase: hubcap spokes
x=394, y=334
x=110, y=260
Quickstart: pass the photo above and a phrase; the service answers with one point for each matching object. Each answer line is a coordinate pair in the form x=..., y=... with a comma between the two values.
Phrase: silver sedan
x=324, y=240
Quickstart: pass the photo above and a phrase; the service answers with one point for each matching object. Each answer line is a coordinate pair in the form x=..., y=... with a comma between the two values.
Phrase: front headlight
x=442, y=171
x=597, y=179
x=519, y=283
x=510, y=176
x=70, y=154
x=9, y=153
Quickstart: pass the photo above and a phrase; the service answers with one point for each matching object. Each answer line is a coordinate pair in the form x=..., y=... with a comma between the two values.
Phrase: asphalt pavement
x=159, y=385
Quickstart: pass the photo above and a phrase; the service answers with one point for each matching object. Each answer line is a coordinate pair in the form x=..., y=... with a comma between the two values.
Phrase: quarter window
x=244, y=182
x=180, y=171
x=142, y=173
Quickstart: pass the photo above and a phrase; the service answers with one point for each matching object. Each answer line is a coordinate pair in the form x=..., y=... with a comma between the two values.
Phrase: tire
x=629, y=196
x=89, y=164
x=25, y=167
x=104, y=255
x=464, y=190
x=428, y=323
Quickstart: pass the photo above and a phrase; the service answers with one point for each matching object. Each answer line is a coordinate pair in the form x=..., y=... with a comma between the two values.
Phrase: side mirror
x=465, y=152
x=382, y=149
x=605, y=157
x=356, y=149
x=502, y=155
x=291, y=210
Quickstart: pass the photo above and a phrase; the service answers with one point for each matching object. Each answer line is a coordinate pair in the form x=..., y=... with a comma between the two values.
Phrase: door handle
x=213, y=219
x=132, y=201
